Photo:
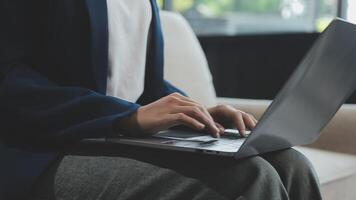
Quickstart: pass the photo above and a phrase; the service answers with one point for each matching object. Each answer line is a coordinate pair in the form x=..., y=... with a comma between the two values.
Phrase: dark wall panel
x=255, y=66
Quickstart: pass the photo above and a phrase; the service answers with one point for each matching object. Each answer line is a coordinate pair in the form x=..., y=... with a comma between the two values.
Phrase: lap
x=236, y=177
x=232, y=177
x=133, y=171
x=99, y=177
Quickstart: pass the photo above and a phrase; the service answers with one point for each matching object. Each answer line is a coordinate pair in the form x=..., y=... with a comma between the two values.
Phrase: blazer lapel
x=157, y=39
x=98, y=17
x=154, y=85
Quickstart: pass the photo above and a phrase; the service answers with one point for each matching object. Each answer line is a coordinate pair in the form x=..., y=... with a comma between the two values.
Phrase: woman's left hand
x=224, y=114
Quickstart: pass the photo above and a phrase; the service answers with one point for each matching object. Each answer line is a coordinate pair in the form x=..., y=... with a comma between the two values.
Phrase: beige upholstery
x=336, y=171
x=186, y=67
x=183, y=62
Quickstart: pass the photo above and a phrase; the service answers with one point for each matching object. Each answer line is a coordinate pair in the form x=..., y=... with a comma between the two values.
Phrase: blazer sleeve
x=35, y=109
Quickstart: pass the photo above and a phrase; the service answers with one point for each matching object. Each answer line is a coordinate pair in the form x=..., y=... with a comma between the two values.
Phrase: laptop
x=321, y=83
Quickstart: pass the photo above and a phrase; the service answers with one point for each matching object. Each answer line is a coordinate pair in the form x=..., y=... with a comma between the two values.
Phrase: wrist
x=128, y=124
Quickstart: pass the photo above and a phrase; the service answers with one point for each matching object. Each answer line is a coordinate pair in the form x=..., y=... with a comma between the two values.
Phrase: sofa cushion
x=185, y=63
x=336, y=172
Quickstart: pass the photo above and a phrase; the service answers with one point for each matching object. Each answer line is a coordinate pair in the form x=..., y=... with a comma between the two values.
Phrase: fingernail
x=216, y=129
x=243, y=133
x=222, y=131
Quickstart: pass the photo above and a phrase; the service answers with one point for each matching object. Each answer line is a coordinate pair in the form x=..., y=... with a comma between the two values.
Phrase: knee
x=292, y=165
x=291, y=160
x=261, y=179
x=259, y=169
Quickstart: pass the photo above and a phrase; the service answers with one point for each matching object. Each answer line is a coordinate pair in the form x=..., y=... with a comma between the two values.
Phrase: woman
x=76, y=69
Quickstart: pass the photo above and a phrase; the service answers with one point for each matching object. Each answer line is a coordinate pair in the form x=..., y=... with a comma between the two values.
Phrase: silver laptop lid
x=320, y=85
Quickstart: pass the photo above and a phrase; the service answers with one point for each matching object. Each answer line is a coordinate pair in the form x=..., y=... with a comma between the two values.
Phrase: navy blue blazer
x=53, y=71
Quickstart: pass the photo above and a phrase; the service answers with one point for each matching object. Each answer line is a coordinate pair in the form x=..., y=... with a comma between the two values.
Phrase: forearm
x=37, y=110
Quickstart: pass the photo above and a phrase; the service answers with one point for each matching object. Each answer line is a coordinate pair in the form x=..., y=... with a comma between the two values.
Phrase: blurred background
x=253, y=46
x=231, y=17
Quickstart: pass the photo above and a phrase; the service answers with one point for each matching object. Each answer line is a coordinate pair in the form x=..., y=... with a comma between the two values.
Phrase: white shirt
x=129, y=24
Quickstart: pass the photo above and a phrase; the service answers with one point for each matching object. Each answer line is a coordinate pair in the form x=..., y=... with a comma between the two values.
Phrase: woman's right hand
x=172, y=110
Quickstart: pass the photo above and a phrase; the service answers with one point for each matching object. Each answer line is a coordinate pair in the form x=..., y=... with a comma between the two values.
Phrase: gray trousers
x=140, y=173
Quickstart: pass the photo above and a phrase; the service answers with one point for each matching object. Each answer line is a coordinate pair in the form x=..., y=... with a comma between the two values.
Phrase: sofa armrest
x=339, y=135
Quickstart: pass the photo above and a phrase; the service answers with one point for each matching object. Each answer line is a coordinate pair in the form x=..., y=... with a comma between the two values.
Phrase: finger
x=197, y=114
x=190, y=101
x=239, y=123
x=181, y=100
x=253, y=118
x=183, y=119
x=220, y=127
x=204, y=110
x=249, y=122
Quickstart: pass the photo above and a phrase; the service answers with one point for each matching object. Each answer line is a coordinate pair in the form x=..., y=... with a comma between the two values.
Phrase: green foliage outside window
x=219, y=7
x=160, y=3
x=258, y=6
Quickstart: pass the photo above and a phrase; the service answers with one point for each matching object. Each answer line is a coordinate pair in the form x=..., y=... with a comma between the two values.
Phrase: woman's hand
x=176, y=109
x=227, y=115
x=170, y=111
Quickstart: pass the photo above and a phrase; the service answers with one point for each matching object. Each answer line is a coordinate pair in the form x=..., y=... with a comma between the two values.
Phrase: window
x=351, y=11
x=233, y=17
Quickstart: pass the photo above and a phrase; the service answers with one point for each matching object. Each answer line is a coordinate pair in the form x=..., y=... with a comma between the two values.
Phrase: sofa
x=333, y=155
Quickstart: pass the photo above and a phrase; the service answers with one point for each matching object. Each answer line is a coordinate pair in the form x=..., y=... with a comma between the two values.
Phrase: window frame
x=341, y=8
